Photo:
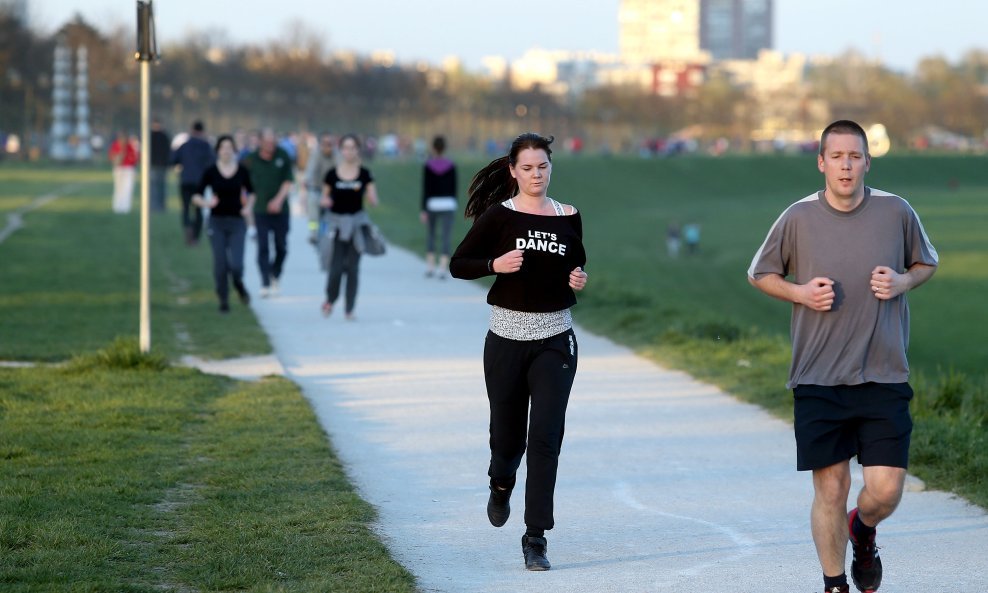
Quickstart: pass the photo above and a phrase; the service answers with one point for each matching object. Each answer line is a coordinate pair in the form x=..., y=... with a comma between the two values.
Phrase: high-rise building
x=658, y=31
x=15, y=8
x=735, y=29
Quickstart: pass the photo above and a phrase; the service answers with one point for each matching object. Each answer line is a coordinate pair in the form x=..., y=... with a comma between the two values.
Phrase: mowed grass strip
x=698, y=313
x=69, y=278
x=118, y=473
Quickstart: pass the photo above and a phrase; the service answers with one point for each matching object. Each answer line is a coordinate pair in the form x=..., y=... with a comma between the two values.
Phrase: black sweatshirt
x=552, y=245
x=228, y=190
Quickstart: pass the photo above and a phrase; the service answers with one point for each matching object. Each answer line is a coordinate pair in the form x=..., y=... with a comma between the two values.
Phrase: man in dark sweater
x=160, y=149
x=195, y=156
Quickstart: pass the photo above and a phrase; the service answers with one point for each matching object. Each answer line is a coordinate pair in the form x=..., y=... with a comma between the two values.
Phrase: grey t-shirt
x=862, y=338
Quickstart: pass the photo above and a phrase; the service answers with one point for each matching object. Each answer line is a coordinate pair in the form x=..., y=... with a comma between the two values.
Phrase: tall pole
x=145, y=338
x=146, y=51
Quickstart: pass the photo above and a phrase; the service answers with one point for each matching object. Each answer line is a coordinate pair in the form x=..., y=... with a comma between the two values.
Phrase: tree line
x=295, y=84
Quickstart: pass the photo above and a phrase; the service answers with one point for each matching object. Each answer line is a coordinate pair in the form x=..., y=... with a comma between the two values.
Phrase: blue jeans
x=268, y=226
x=226, y=236
x=157, y=180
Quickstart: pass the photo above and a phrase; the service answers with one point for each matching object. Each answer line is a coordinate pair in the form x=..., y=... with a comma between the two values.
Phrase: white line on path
x=15, y=219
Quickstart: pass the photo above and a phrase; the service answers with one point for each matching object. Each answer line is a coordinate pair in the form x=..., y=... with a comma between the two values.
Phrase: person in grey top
x=845, y=257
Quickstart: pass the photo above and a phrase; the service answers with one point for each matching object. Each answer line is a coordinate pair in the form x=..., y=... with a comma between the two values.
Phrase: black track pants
x=519, y=373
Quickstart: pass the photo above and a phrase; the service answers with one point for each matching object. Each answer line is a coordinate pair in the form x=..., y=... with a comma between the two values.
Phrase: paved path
x=665, y=483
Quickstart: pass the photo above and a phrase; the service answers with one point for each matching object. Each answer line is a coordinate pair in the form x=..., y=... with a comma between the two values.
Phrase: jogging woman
x=533, y=244
x=230, y=204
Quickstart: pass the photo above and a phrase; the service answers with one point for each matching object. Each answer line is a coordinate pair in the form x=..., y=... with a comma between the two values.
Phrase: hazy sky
x=897, y=31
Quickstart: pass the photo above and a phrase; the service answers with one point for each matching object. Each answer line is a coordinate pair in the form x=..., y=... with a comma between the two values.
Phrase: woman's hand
x=508, y=263
x=423, y=217
x=577, y=279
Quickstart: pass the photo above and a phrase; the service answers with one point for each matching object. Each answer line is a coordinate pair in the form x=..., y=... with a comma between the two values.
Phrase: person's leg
x=881, y=493
x=197, y=220
x=351, y=264
x=218, y=240
x=187, y=191
x=116, y=203
x=826, y=440
x=430, y=243
x=127, y=197
x=280, y=227
x=884, y=431
x=550, y=379
x=157, y=183
x=828, y=516
x=445, y=241
x=507, y=393
x=237, y=238
x=335, y=271
x=263, y=225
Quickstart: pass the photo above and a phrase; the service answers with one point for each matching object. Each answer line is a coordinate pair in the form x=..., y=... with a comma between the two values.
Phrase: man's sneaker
x=498, y=507
x=840, y=589
x=534, y=549
x=275, y=286
x=242, y=292
x=866, y=566
x=265, y=292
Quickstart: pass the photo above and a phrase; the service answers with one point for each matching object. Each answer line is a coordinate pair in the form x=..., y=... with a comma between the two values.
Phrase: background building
x=653, y=31
x=735, y=29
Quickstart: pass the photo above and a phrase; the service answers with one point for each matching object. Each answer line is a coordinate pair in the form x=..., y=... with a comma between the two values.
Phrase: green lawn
x=70, y=278
x=699, y=313
x=119, y=472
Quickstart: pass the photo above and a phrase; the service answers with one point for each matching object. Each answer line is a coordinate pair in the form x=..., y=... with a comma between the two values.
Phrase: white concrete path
x=665, y=483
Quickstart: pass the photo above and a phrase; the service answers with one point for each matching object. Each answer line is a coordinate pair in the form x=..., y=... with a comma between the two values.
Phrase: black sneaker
x=534, y=549
x=498, y=508
x=840, y=589
x=242, y=292
x=866, y=566
x=224, y=308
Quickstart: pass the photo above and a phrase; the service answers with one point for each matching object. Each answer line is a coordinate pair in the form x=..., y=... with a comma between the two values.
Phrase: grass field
x=700, y=314
x=119, y=472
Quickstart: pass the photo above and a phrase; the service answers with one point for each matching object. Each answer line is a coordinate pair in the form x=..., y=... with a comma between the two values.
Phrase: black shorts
x=835, y=423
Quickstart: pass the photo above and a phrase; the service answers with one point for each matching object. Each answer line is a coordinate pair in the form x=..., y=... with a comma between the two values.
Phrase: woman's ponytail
x=494, y=184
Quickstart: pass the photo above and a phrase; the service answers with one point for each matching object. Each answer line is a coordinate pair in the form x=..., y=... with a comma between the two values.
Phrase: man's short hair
x=843, y=126
x=197, y=126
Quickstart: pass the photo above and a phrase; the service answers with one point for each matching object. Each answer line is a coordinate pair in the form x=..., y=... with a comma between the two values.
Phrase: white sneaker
x=275, y=287
x=265, y=292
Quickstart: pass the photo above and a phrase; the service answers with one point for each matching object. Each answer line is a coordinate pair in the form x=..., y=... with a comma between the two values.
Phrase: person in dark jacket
x=160, y=151
x=438, y=206
x=194, y=156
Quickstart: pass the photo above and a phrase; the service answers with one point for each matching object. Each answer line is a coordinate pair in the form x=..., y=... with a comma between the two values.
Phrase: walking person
x=271, y=174
x=850, y=253
x=194, y=156
x=160, y=152
x=344, y=189
x=123, y=155
x=317, y=166
x=438, y=207
x=533, y=245
x=230, y=203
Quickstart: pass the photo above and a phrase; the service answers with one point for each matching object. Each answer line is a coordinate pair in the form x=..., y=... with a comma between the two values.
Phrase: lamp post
x=147, y=50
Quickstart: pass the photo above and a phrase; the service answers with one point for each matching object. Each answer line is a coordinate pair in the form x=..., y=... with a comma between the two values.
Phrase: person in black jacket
x=438, y=206
x=534, y=246
x=160, y=151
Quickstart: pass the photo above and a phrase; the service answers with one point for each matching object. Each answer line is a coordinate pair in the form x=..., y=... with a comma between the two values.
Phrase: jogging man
x=846, y=257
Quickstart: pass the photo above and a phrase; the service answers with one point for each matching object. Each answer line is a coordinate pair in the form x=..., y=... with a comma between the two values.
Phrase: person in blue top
x=194, y=156
x=533, y=245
